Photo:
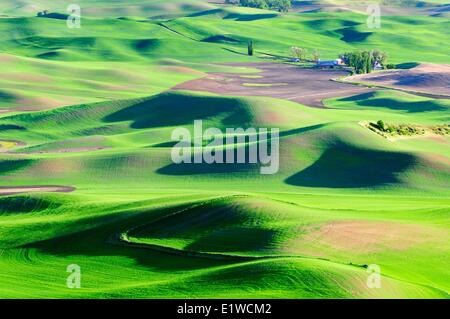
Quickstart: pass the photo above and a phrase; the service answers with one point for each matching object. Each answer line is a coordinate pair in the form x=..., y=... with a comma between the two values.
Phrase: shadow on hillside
x=186, y=169
x=351, y=35
x=301, y=130
x=250, y=17
x=220, y=39
x=55, y=15
x=344, y=166
x=170, y=109
x=235, y=16
x=235, y=239
x=24, y=204
x=323, y=24
x=368, y=100
x=171, y=144
x=407, y=65
x=146, y=44
x=9, y=166
x=411, y=107
x=96, y=242
x=205, y=13
x=6, y=97
x=206, y=169
x=11, y=127
x=359, y=97
x=48, y=55
x=234, y=51
x=214, y=227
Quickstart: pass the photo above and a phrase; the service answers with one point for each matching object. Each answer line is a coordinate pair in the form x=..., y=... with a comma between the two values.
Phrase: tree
x=304, y=53
x=316, y=55
x=381, y=125
x=42, y=13
x=299, y=53
x=390, y=66
x=279, y=5
x=364, y=61
x=250, y=48
x=380, y=57
x=260, y=4
x=295, y=52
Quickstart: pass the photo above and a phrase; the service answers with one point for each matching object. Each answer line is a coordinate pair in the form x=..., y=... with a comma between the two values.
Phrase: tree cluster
x=302, y=54
x=401, y=129
x=278, y=5
x=299, y=53
x=365, y=61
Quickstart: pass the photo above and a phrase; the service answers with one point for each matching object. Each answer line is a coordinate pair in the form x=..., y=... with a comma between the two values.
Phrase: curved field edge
x=308, y=232
x=103, y=260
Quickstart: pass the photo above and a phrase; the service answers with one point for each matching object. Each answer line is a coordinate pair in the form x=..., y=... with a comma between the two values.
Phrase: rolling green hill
x=92, y=108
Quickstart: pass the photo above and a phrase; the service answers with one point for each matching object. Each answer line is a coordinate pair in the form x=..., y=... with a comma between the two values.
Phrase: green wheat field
x=86, y=176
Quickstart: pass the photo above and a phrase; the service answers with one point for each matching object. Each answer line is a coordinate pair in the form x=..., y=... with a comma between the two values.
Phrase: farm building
x=330, y=63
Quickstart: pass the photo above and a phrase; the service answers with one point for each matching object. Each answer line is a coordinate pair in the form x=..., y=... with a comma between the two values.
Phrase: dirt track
x=34, y=189
x=64, y=150
x=283, y=81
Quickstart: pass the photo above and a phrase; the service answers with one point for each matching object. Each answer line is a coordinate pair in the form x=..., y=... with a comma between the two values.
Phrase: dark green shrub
x=381, y=125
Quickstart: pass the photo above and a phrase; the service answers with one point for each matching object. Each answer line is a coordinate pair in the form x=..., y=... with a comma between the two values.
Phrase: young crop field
x=359, y=175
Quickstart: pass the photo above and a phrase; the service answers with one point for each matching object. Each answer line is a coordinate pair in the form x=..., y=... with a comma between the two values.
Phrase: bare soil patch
x=38, y=103
x=367, y=236
x=34, y=189
x=389, y=8
x=303, y=85
x=431, y=79
x=181, y=69
x=26, y=77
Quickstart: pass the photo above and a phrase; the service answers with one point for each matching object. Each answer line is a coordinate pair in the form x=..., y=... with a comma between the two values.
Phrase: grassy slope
x=105, y=53
x=139, y=272
x=330, y=33
x=107, y=8
x=132, y=183
x=133, y=161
